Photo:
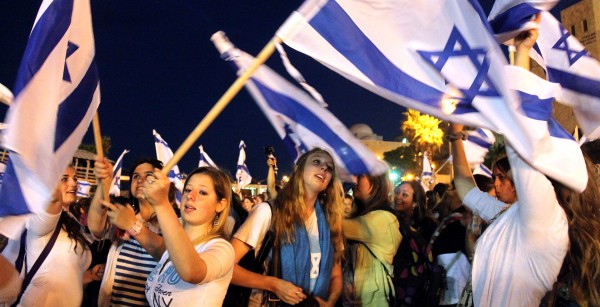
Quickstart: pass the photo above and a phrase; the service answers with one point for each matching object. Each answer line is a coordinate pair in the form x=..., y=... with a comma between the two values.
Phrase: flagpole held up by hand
x=221, y=104
x=103, y=185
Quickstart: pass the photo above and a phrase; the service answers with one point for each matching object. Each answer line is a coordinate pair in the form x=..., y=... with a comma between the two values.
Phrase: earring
x=216, y=221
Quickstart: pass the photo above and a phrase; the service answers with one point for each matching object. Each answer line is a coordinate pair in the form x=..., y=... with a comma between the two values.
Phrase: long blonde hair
x=289, y=208
x=582, y=211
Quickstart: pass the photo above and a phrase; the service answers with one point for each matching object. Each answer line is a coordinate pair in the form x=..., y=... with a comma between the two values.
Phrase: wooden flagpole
x=103, y=185
x=221, y=104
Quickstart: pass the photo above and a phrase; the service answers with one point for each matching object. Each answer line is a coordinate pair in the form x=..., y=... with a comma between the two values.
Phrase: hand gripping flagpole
x=104, y=185
x=221, y=104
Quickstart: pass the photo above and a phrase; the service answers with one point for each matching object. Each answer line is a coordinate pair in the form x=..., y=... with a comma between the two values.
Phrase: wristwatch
x=135, y=229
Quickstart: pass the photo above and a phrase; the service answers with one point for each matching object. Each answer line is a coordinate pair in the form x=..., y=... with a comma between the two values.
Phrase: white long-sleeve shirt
x=518, y=257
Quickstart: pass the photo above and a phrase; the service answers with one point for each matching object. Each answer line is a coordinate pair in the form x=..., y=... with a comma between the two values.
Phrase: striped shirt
x=133, y=266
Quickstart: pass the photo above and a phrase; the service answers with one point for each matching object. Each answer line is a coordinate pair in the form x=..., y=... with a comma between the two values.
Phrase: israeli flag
x=554, y=145
x=115, y=184
x=83, y=188
x=452, y=68
x=57, y=89
x=301, y=122
x=427, y=175
x=242, y=174
x=477, y=145
x=165, y=154
x=562, y=56
x=205, y=160
x=508, y=18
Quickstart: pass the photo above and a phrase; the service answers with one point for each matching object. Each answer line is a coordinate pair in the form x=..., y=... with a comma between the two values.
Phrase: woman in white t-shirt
x=197, y=267
x=60, y=279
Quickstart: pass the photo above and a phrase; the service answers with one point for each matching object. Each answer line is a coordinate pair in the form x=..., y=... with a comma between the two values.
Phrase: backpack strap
x=21, y=256
x=391, y=298
x=38, y=262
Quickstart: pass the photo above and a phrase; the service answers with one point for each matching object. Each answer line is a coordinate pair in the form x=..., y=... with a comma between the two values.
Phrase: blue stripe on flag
x=479, y=141
x=514, y=18
x=13, y=202
x=541, y=109
x=292, y=109
x=46, y=34
x=333, y=20
x=482, y=17
x=574, y=82
x=72, y=111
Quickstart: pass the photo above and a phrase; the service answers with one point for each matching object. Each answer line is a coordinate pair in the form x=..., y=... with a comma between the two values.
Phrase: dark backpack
x=418, y=279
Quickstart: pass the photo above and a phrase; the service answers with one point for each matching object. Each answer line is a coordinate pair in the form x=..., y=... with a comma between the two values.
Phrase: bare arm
x=286, y=291
x=271, y=179
x=463, y=178
x=335, y=286
x=187, y=262
x=97, y=213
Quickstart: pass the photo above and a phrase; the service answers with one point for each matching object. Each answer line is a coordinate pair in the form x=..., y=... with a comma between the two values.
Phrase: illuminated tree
x=423, y=130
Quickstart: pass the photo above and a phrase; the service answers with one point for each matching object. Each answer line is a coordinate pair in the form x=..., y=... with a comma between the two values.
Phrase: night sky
x=159, y=70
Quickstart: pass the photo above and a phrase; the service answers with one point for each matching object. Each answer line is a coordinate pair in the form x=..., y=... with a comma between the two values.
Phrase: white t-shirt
x=252, y=232
x=59, y=280
x=518, y=257
x=165, y=288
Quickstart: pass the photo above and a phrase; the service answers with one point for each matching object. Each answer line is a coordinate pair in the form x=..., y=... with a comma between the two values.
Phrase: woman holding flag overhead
x=518, y=257
x=307, y=225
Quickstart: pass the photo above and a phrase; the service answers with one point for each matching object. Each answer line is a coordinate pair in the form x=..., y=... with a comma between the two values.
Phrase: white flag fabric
x=242, y=174
x=205, y=159
x=562, y=56
x=83, y=188
x=301, y=122
x=477, y=145
x=452, y=68
x=555, y=145
x=481, y=169
x=508, y=18
x=115, y=185
x=57, y=89
x=165, y=154
x=427, y=174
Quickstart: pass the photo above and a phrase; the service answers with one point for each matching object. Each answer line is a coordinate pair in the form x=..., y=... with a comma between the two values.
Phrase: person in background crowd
x=371, y=247
x=409, y=199
x=348, y=205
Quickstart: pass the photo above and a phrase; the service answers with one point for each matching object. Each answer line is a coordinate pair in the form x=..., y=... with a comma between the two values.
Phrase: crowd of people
x=516, y=239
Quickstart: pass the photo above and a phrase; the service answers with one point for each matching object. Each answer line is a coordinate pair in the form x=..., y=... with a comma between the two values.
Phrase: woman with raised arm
x=518, y=257
x=132, y=255
x=60, y=278
x=197, y=267
x=307, y=224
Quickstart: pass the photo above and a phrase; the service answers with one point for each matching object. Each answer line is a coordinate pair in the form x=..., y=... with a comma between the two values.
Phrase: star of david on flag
x=458, y=47
x=562, y=56
x=376, y=44
x=57, y=88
